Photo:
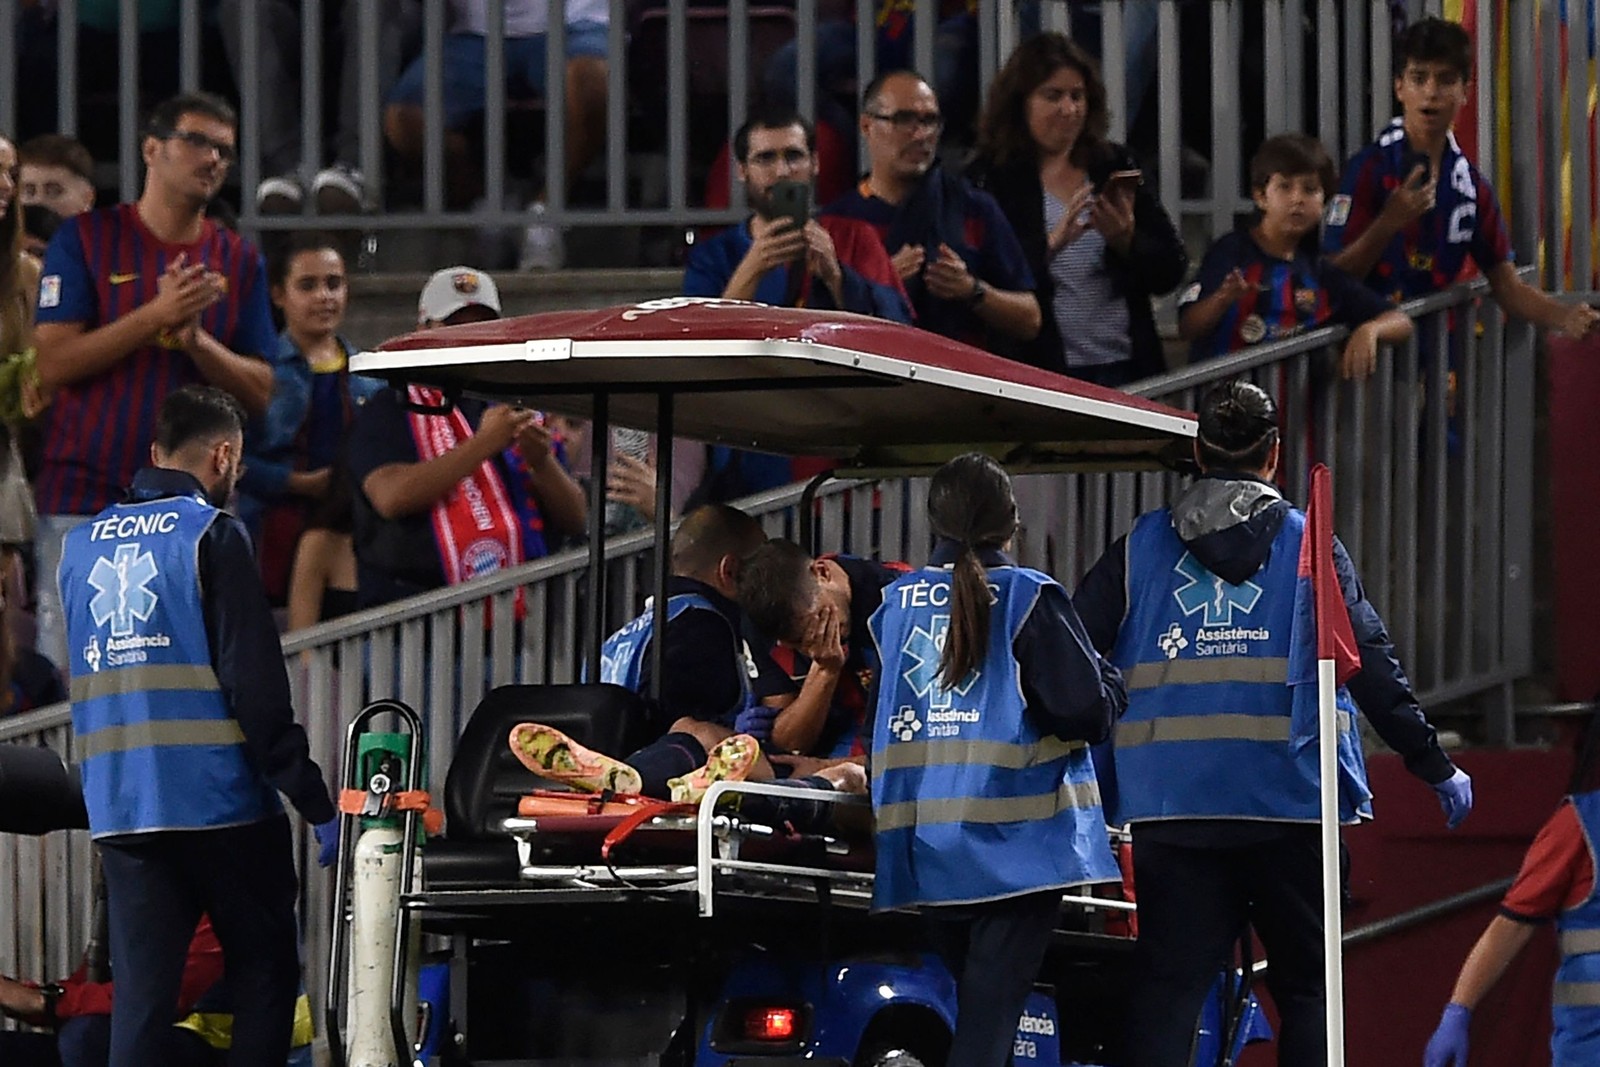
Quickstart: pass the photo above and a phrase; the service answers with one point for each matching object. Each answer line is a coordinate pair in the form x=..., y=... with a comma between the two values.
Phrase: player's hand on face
x=823, y=643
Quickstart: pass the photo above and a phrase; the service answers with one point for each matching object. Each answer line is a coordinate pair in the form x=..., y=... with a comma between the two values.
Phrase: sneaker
x=281, y=195
x=551, y=754
x=730, y=761
x=542, y=247
x=339, y=190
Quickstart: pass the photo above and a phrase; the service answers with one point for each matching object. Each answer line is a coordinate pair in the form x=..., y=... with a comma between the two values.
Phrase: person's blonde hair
x=18, y=273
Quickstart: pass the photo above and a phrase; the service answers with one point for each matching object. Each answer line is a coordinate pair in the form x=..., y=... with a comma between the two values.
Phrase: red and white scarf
x=475, y=525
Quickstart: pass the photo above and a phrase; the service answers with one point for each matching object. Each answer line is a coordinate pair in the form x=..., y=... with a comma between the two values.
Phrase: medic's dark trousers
x=157, y=887
x=1194, y=903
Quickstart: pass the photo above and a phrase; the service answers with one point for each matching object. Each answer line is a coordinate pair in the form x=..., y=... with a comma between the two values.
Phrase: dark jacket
x=1156, y=263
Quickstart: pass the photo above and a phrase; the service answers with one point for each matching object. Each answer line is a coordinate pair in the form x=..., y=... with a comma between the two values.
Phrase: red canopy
x=795, y=382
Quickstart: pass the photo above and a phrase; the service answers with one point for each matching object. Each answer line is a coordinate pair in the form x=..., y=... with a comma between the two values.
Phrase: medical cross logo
x=904, y=723
x=1206, y=592
x=122, y=592
x=925, y=647
x=1172, y=642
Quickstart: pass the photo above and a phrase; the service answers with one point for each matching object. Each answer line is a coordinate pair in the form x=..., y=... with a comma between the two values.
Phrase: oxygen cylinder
x=374, y=898
x=374, y=901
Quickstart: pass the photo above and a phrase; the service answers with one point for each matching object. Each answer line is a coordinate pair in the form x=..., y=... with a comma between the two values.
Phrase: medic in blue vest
x=1556, y=882
x=983, y=789
x=1196, y=606
x=185, y=735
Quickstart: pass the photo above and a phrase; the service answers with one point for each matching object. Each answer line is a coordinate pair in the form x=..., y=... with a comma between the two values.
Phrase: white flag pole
x=1332, y=924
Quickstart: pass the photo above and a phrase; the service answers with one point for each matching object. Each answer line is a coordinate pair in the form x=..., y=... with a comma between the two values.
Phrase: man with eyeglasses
x=952, y=246
x=830, y=262
x=135, y=301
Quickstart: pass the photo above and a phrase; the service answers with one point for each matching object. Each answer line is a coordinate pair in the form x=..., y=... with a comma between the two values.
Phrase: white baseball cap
x=454, y=288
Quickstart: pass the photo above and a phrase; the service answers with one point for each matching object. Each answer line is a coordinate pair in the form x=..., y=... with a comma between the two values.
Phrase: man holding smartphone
x=782, y=255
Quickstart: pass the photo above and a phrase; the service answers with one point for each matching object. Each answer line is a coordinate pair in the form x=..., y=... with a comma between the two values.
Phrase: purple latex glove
x=1455, y=797
x=1448, y=1045
x=756, y=720
x=327, y=835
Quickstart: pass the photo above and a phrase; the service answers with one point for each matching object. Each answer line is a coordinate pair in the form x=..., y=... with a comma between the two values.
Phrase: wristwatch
x=51, y=991
x=979, y=291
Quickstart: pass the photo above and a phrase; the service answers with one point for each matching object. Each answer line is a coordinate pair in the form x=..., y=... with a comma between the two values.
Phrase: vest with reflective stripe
x=622, y=657
x=157, y=746
x=1207, y=730
x=973, y=801
x=1575, y=1039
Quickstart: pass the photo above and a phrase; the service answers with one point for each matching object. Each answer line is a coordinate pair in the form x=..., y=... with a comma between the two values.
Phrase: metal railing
x=1319, y=65
x=1434, y=505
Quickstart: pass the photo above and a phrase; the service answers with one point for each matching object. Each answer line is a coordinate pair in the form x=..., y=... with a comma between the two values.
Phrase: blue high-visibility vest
x=1207, y=733
x=623, y=655
x=1575, y=1039
x=156, y=743
x=972, y=800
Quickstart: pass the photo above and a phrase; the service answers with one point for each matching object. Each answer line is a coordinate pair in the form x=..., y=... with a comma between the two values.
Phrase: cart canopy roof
x=875, y=395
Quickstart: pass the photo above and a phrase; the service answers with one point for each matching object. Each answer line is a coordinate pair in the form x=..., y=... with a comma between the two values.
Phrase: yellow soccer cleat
x=729, y=761
x=551, y=754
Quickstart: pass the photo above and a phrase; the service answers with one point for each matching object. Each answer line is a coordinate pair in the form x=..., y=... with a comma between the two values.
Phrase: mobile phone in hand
x=789, y=199
x=1122, y=179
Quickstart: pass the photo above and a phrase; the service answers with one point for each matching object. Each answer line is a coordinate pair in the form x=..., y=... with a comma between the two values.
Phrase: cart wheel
x=890, y=1056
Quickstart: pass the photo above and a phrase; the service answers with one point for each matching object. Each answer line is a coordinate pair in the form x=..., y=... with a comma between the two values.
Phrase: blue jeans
x=51, y=619
x=464, y=84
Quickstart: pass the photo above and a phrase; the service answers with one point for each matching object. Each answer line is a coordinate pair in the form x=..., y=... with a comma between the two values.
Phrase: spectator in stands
x=1412, y=208
x=586, y=41
x=955, y=60
x=1098, y=249
x=442, y=498
x=20, y=396
x=27, y=679
x=289, y=452
x=338, y=188
x=39, y=224
x=631, y=471
x=1260, y=284
x=58, y=172
x=137, y=300
x=323, y=583
x=952, y=246
x=845, y=267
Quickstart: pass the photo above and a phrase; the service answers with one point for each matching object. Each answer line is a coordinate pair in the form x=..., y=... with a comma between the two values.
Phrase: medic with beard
x=959, y=258
x=186, y=736
x=831, y=262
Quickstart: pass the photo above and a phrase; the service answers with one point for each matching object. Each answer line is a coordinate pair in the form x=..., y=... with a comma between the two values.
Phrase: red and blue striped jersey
x=1431, y=253
x=1286, y=296
x=100, y=266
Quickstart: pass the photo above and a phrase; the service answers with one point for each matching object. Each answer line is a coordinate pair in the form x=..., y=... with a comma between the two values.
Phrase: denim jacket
x=269, y=441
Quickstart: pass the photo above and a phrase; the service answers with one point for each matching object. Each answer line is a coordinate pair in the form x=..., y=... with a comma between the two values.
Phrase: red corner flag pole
x=1337, y=660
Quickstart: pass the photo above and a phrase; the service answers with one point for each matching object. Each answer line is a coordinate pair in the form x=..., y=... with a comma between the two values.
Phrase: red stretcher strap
x=648, y=809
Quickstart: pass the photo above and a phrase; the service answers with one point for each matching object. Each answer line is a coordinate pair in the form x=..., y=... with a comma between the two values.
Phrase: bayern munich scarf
x=476, y=525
